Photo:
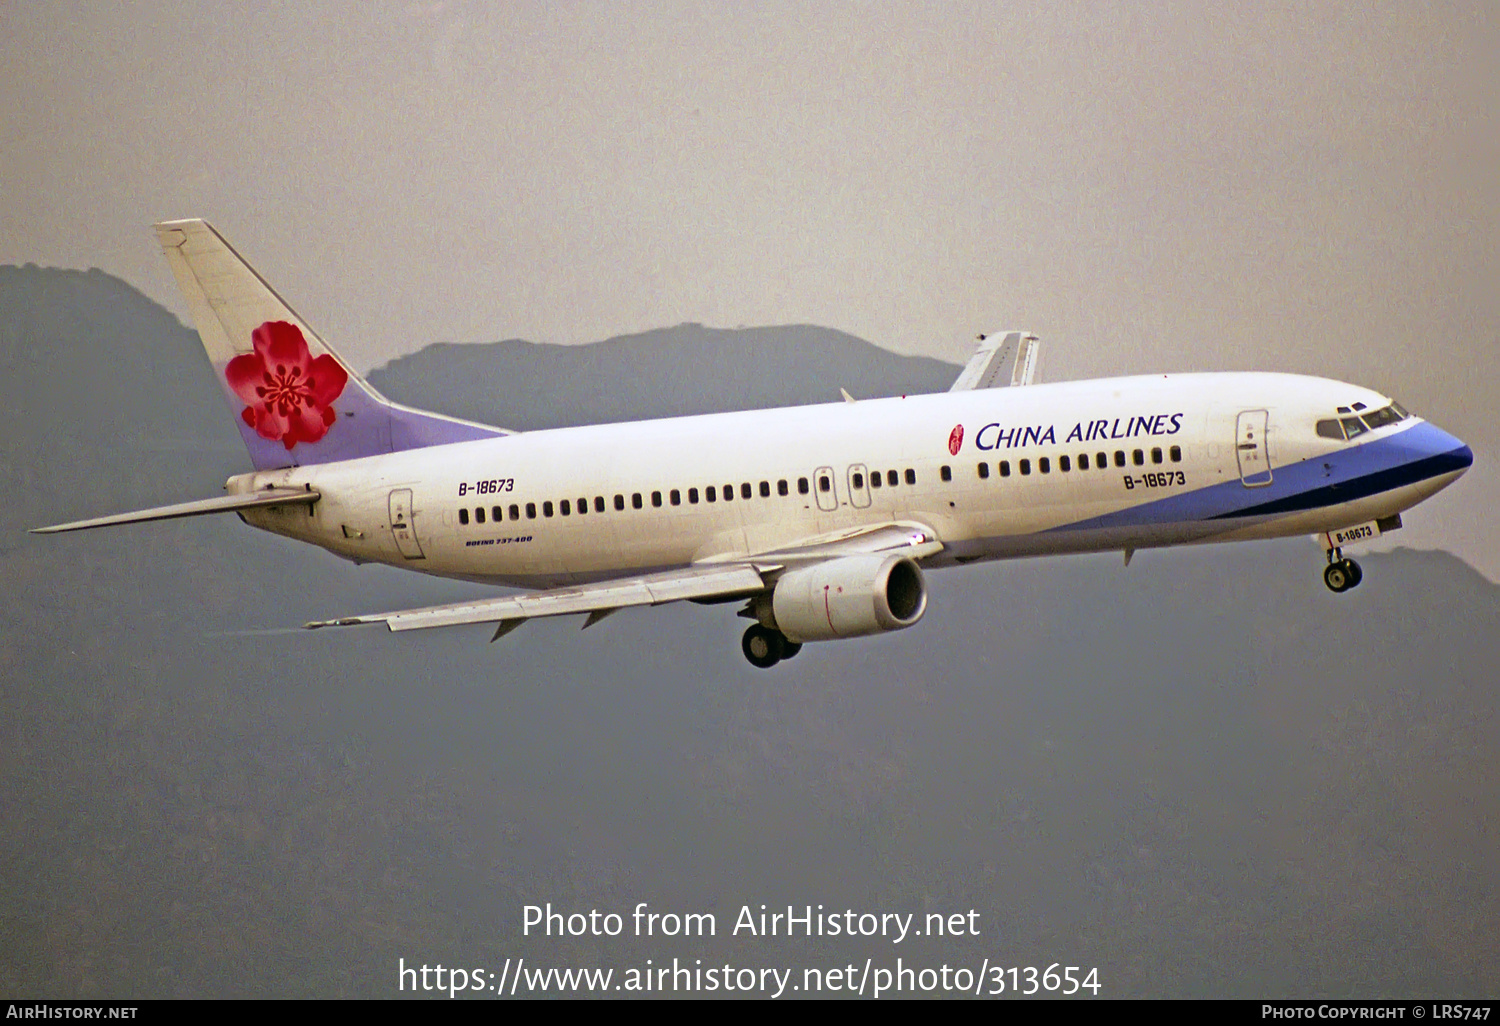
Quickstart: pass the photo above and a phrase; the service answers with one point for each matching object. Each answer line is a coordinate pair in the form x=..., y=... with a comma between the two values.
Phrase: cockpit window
x=1350, y=426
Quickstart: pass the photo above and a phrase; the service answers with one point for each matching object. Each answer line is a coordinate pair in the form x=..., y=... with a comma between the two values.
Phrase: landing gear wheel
x=1342, y=575
x=763, y=647
x=1334, y=575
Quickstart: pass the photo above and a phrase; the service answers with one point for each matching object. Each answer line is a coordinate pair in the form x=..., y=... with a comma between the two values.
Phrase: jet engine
x=849, y=597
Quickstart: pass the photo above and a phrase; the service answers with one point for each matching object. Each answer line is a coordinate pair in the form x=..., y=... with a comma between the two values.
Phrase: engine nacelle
x=849, y=597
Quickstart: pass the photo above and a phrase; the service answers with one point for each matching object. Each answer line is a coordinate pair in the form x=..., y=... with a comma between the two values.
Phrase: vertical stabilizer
x=296, y=401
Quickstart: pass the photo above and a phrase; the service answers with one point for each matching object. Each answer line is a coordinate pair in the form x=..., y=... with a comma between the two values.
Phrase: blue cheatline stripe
x=1405, y=457
x=1362, y=487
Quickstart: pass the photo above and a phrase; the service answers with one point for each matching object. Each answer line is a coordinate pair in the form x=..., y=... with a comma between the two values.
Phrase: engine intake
x=849, y=597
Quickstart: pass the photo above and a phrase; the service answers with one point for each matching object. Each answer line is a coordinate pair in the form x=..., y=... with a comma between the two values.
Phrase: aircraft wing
x=730, y=577
x=1004, y=358
x=916, y=539
x=598, y=600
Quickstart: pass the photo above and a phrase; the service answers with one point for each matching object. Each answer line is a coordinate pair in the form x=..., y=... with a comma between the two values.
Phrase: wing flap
x=198, y=508
x=651, y=590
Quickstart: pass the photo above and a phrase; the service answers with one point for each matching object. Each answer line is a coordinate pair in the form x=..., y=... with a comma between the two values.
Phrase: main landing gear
x=1341, y=574
x=765, y=646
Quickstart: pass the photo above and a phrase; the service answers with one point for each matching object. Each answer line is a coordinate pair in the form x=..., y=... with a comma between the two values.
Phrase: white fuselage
x=1190, y=474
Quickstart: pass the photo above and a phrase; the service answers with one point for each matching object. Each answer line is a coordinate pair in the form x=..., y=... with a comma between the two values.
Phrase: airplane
x=819, y=520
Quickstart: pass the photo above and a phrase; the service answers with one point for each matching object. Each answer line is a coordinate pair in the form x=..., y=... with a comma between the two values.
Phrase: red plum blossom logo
x=956, y=439
x=288, y=395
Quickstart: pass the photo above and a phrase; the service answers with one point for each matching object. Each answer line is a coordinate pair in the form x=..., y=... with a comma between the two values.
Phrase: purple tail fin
x=295, y=400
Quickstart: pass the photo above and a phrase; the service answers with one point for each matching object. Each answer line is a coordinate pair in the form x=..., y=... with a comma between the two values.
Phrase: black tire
x=1336, y=576
x=789, y=648
x=1355, y=573
x=763, y=646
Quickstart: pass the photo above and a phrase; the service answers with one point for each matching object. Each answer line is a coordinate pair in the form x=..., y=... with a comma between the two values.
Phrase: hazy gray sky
x=1149, y=187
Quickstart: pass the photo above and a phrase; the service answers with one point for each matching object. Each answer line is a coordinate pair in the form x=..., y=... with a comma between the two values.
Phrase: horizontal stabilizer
x=652, y=590
x=223, y=504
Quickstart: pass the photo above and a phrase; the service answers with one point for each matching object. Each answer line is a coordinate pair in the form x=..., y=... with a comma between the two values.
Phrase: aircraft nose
x=1445, y=453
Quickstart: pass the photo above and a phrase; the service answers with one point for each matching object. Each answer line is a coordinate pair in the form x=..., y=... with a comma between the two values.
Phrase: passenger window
x=729, y=493
x=711, y=493
x=984, y=471
x=1176, y=453
x=583, y=505
x=891, y=478
x=875, y=480
x=547, y=508
x=1064, y=464
x=765, y=489
x=656, y=499
x=802, y=486
x=531, y=511
x=1119, y=457
x=747, y=492
x=781, y=488
x=911, y=476
x=1139, y=458
x=619, y=502
x=1156, y=455
x=675, y=496
x=565, y=508
x=1044, y=465
x=1083, y=461
x=692, y=496
x=859, y=481
x=515, y=512
x=463, y=517
x=598, y=504
x=824, y=484
x=946, y=473
x=495, y=514
x=1101, y=461
x=1005, y=468
x=1025, y=467
x=635, y=500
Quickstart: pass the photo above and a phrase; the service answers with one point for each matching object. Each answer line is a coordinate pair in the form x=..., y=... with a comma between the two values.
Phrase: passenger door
x=403, y=524
x=1250, y=448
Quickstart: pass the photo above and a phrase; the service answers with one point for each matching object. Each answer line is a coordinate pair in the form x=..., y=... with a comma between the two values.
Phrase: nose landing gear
x=1341, y=574
x=765, y=647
